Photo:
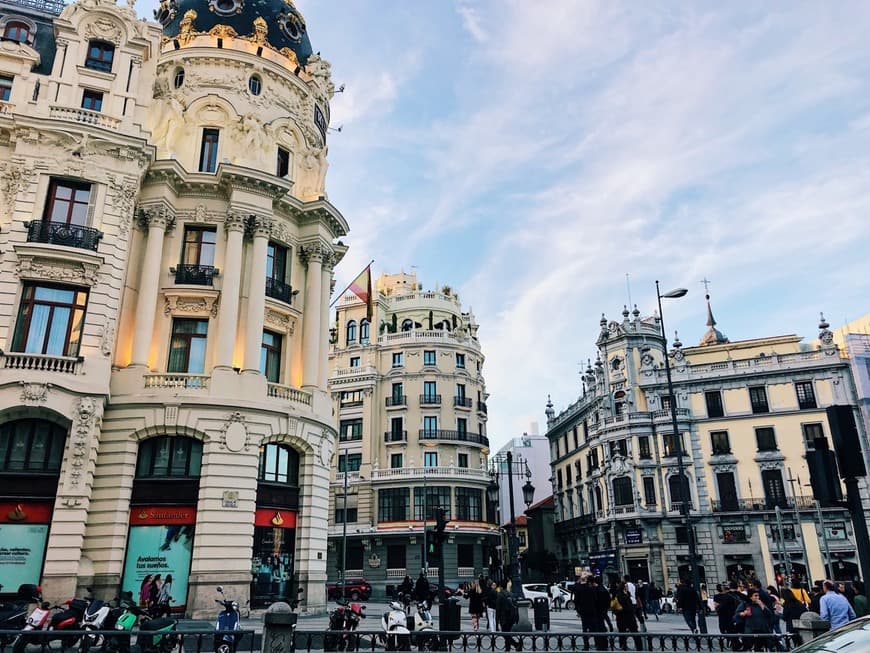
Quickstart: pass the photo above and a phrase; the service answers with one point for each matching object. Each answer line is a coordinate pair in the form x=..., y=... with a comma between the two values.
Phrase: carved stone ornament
x=34, y=392
x=199, y=305
x=122, y=195
x=103, y=29
x=15, y=178
x=156, y=216
x=235, y=222
x=86, y=420
x=325, y=447
x=235, y=435
x=769, y=465
x=34, y=267
x=313, y=252
x=107, y=337
x=280, y=321
x=723, y=469
x=259, y=226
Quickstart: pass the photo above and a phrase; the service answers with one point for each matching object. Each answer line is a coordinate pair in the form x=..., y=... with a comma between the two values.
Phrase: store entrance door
x=638, y=569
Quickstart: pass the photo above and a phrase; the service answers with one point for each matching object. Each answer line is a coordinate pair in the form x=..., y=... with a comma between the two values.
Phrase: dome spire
x=713, y=336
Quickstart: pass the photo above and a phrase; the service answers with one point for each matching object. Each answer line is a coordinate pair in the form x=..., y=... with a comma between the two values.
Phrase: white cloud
x=471, y=22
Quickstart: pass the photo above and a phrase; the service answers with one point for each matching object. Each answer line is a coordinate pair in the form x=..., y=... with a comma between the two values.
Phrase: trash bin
x=810, y=625
x=541, y=607
x=449, y=615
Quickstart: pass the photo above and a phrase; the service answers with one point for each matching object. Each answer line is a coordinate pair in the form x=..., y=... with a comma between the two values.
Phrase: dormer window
x=100, y=56
x=17, y=31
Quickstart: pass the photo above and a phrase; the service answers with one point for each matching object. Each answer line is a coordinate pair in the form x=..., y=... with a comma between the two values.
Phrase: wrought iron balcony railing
x=279, y=290
x=197, y=275
x=430, y=400
x=459, y=436
x=62, y=233
x=754, y=504
x=396, y=436
x=462, y=402
x=396, y=401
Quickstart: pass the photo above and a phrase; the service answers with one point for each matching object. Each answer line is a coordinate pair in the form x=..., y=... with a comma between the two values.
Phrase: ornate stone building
x=166, y=258
x=748, y=412
x=407, y=384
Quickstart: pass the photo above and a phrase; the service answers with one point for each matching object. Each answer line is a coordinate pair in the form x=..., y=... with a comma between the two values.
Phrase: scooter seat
x=158, y=624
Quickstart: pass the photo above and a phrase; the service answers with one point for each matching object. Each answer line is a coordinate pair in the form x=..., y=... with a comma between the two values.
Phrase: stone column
x=228, y=316
x=326, y=293
x=313, y=516
x=157, y=220
x=260, y=228
x=313, y=255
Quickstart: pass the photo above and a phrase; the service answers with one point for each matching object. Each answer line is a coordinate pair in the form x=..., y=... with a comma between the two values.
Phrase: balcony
x=195, y=275
x=755, y=504
x=186, y=381
x=453, y=436
x=461, y=402
x=430, y=400
x=279, y=290
x=40, y=362
x=396, y=402
x=664, y=415
x=85, y=116
x=395, y=436
x=61, y=233
x=418, y=473
x=289, y=393
x=481, y=407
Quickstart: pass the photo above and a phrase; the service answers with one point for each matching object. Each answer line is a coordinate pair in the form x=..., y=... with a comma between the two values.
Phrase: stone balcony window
x=63, y=233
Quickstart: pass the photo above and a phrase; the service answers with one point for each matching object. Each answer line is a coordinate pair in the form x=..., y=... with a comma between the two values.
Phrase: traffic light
x=440, y=524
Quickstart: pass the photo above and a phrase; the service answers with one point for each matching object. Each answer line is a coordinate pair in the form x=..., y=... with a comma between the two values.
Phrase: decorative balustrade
x=430, y=400
x=396, y=436
x=465, y=572
x=399, y=572
x=85, y=116
x=755, y=504
x=355, y=371
x=462, y=402
x=405, y=473
x=41, y=362
x=457, y=436
x=62, y=233
x=186, y=381
x=288, y=393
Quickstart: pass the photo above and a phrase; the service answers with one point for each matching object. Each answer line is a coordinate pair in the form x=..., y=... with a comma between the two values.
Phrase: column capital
x=236, y=222
x=259, y=226
x=156, y=215
x=316, y=251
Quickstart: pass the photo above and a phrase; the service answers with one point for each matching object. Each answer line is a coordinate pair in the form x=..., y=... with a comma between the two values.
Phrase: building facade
x=747, y=411
x=408, y=388
x=167, y=254
x=854, y=340
x=531, y=459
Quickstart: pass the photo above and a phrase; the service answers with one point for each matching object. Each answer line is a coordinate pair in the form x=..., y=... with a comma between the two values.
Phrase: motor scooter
x=13, y=615
x=121, y=619
x=422, y=626
x=394, y=623
x=226, y=640
x=93, y=620
x=342, y=622
x=53, y=625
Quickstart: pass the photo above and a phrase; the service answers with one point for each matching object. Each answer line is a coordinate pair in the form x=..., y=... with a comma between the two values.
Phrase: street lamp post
x=344, y=534
x=528, y=496
x=678, y=446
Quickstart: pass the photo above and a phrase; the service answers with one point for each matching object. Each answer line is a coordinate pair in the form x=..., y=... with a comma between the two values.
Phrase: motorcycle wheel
x=85, y=646
x=20, y=644
x=223, y=647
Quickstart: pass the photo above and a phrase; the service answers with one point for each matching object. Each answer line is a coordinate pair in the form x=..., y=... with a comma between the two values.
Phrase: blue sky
x=530, y=154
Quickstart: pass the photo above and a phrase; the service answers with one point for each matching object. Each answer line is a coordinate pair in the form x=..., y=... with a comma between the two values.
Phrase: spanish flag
x=362, y=288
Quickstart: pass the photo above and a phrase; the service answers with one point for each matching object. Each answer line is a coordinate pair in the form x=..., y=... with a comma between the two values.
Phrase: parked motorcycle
x=157, y=635
x=94, y=619
x=394, y=623
x=226, y=640
x=13, y=615
x=422, y=625
x=121, y=619
x=54, y=625
x=342, y=622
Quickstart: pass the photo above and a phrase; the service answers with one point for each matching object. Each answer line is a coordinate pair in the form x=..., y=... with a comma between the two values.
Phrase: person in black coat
x=758, y=620
x=626, y=617
x=726, y=605
x=421, y=589
x=507, y=614
x=688, y=602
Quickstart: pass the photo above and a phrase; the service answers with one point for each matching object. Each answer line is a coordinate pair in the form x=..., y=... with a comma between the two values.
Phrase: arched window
x=351, y=331
x=169, y=457
x=279, y=464
x=674, y=490
x=407, y=325
x=31, y=445
x=16, y=30
x=622, y=491
x=364, y=332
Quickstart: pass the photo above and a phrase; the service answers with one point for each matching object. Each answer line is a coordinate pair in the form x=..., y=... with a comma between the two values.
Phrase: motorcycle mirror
x=220, y=589
x=300, y=590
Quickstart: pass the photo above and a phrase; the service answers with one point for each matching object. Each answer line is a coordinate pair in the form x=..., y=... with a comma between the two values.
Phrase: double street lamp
x=678, y=449
x=492, y=493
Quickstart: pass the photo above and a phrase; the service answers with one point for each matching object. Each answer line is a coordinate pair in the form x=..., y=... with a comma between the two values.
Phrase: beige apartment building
x=408, y=388
x=166, y=259
x=748, y=412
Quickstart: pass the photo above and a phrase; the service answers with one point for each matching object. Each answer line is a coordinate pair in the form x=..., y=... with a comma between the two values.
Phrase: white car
x=533, y=591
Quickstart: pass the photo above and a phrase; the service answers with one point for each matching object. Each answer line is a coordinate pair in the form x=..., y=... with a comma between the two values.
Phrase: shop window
x=187, y=348
x=623, y=493
x=50, y=320
x=435, y=497
x=393, y=504
x=208, y=153
x=31, y=446
x=100, y=56
x=279, y=464
x=469, y=506
x=270, y=356
x=169, y=457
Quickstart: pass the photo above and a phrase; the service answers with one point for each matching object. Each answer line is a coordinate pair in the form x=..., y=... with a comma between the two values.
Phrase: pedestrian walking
x=626, y=616
x=726, y=605
x=688, y=602
x=642, y=598
x=655, y=600
x=507, y=615
x=860, y=604
x=834, y=607
x=421, y=590
x=758, y=619
x=792, y=609
x=491, y=601
x=476, y=603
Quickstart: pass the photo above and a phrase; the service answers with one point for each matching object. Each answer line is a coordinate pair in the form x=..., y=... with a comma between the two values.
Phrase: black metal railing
x=481, y=407
x=461, y=436
x=477, y=642
x=187, y=640
x=197, y=275
x=462, y=402
x=279, y=290
x=47, y=6
x=754, y=504
x=396, y=436
x=430, y=400
x=62, y=233
x=396, y=401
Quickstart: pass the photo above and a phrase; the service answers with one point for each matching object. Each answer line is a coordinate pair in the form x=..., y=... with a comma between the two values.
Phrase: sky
x=533, y=154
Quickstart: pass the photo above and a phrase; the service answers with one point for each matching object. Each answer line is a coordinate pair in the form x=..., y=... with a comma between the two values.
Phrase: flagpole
x=341, y=294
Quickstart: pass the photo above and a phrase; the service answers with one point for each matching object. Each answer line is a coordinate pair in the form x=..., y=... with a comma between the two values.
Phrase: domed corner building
x=166, y=258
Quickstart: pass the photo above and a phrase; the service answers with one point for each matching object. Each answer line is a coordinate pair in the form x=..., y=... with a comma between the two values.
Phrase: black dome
x=285, y=26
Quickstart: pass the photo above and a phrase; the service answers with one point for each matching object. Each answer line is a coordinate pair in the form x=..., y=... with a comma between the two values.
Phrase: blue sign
x=633, y=536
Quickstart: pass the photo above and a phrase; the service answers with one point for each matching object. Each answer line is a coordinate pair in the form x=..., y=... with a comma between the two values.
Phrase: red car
x=355, y=589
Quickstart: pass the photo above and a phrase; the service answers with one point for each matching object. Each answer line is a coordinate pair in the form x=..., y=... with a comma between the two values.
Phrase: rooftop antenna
x=628, y=287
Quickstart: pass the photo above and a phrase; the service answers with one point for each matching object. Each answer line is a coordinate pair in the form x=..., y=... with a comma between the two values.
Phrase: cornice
x=320, y=211
x=232, y=177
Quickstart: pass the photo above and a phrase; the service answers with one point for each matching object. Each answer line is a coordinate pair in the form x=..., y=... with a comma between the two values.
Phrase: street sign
x=633, y=536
